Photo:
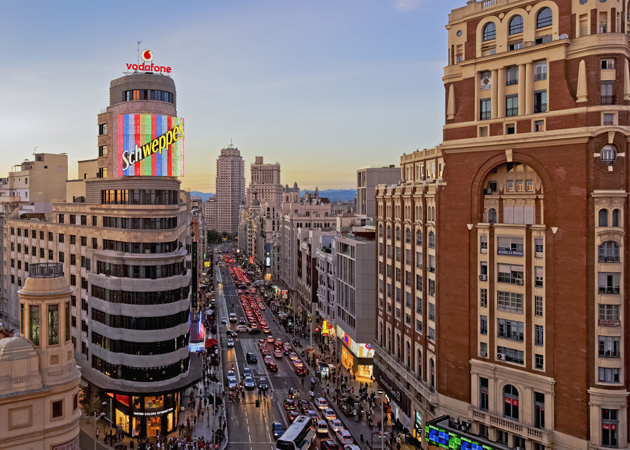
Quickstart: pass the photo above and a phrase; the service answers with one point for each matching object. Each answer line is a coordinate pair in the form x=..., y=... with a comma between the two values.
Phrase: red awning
x=211, y=343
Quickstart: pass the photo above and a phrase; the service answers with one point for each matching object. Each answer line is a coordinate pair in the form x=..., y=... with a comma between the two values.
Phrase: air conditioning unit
x=501, y=356
x=483, y=277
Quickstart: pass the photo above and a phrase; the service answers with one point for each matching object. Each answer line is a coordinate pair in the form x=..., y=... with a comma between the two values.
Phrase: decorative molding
x=470, y=226
x=508, y=154
x=554, y=230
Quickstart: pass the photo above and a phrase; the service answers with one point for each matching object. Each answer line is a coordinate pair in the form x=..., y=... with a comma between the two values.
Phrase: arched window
x=603, y=217
x=432, y=369
x=418, y=237
x=389, y=232
x=419, y=214
x=397, y=233
x=616, y=218
x=431, y=239
x=492, y=215
x=408, y=236
x=389, y=340
x=408, y=354
x=510, y=402
x=544, y=18
x=419, y=362
x=489, y=32
x=516, y=25
x=398, y=346
x=608, y=252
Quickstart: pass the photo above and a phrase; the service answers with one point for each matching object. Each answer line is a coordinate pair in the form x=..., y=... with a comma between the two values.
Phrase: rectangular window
x=485, y=106
x=73, y=219
x=432, y=312
x=608, y=375
x=539, y=362
x=608, y=282
x=510, y=329
x=510, y=273
x=511, y=105
x=540, y=71
x=539, y=125
x=610, y=424
x=61, y=238
x=510, y=246
x=53, y=324
x=510, y=302
x=483, y=349
x=608, y=92
x=483, y=298
x=609, y=346
x=483, y=243
x=102, y=150
x=608, y=313
x=483, y=394
x=538, y=305
x=609, y=119
x=539, y=338
x=608, y=64
x=57, y=409
x=540, y=101
x=33, y=312
x=483, y=325
x=67, y=321
x=539, y=273
x=419, y=326
x=431, y=334
x=60, y=219
x=510, y=355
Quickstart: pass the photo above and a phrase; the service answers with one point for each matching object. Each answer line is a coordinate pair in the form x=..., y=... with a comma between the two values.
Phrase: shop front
x=397, y=400
x=357, y=358
x=147, y=415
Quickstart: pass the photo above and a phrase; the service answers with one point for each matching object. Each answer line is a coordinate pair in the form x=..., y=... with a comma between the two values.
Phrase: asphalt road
x=249, y=427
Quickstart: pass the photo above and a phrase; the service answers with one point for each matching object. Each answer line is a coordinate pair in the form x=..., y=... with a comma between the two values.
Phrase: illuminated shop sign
x=147, y=57
x=150, y=145
x=445, y=439
x=359, y=350
x=152, y=413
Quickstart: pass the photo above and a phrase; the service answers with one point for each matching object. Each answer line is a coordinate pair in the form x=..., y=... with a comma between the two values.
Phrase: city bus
x=298, y=436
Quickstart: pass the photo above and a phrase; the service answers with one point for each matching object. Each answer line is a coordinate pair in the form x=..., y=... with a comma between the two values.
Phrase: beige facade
x=39, y=406
x=264, y=183
x=367, y=180
x=40, y=180
x=75, y=189
x=230, y=189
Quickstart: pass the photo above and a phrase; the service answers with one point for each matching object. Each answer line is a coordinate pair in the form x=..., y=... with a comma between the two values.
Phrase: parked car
x=277, y=429
x=251, y=358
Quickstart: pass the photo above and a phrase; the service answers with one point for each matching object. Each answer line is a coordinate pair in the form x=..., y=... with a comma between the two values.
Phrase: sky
x=324, y=87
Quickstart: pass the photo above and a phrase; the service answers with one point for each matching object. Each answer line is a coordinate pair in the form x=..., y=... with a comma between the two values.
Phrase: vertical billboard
x=150, y=145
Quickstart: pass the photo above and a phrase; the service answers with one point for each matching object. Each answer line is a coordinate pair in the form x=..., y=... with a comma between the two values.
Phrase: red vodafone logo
x=147, y=55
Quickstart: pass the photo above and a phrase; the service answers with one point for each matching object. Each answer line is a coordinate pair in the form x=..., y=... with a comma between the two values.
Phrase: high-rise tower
x=502, y=271
x=230, y=190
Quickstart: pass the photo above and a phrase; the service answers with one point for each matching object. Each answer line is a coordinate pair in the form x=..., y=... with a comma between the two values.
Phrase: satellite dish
x=564, y=36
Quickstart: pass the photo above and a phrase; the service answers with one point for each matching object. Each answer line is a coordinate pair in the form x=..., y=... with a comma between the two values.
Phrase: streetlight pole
x=95, y=426
x=380, y=393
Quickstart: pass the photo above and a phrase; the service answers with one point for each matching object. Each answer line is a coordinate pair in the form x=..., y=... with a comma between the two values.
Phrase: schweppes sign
x=150, y=145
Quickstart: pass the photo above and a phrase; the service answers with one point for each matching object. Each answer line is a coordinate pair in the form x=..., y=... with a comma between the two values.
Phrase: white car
x=224, y=321
x=230, y=342
x=247, y=372
x=241, y=329
x=329, y=414
x=321, y=403
x=336, y=425
x=232, y=383
x=351, y=447
x=230, y=373
x=322, y=428
x=344, y=437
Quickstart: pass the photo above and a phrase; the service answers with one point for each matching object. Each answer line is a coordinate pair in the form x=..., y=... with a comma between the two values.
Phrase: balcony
x=609, y=259
x=609, y=290
x=542, y=436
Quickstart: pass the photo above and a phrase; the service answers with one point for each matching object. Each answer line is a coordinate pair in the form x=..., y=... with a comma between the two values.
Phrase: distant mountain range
x=334, y=195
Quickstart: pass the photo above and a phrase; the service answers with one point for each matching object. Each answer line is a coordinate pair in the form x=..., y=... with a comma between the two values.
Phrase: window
x=512, y=274
x=539, y=274
x=609, y=119
x=398, y=234
x=489, y=32
x=73, y=259
x=431, y=312
x=483, y=394
x=511, y=75
x=539, y=335
x=510, y=355
x=510, y=402
x=431, y=334
x=408, y=236
x=539, y=125
x=539, y=362
x=510, y=246
x=483, y=349
x=60, y=219
x=544, y=18
x=33, y=312
x=540, y=72
x=73, y=219
x=608, y=252
x=53, y=324
x=62, y=257
x=539, y=410
x=608, y=312
x=608, y=64
x=431, y=239
x=603, y=217
x=609, y=347
x=102, y=150
x=607, y=92
x=61, y=238
x=610, y=423
x=502, y=437
x=516, y=25
x=492, y=215
x=418, y=237
x=485, y=108
x=538, y=247
x=511, y=105
x=483, y=325
x=608, y=375
x=418, y=282
x=538, y=305
x=102, y=129
x=608, y=154
x=483, y=298
x=510, y=329
x=483, y=243
x=540, y=101
x=57, y=409
x=608, y=282
x=419, y=326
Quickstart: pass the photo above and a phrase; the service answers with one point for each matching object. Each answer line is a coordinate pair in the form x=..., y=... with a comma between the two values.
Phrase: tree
x=92, y=402
x=214, y=236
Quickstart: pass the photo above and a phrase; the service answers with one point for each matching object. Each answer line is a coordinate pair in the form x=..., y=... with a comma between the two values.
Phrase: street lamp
x=101, y=415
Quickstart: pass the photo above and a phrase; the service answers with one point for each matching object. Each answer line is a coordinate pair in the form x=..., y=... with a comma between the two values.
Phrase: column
x=521, y=89
x=493, y=95
x=476, y=87
x=500, y=92
x=529, y=89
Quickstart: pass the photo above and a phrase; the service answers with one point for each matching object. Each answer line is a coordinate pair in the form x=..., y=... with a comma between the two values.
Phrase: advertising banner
x=150, y=145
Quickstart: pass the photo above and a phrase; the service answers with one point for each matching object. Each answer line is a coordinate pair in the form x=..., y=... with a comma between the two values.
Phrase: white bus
x=298, y=436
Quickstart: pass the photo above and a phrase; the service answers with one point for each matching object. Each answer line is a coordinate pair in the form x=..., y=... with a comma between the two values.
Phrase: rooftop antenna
x=139, y=42
x=34, y=150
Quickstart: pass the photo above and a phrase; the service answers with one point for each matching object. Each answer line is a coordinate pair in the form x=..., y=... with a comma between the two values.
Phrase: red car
x=272, y=367
x=292, y=415
x=301, y=371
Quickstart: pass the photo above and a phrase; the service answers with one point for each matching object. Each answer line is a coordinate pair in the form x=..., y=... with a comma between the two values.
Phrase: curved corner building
x=125, y=247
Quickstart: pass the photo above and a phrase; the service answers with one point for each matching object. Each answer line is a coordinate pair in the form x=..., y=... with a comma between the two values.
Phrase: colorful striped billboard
x=150, y=145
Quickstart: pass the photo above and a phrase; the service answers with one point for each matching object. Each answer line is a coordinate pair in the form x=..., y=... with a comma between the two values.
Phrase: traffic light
x=257, y=403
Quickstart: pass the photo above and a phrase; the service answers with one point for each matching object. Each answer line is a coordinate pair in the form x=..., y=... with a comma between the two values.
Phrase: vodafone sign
x=147, y=57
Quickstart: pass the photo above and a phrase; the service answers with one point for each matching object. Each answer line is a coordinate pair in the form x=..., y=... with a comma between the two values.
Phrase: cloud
x=407, y=5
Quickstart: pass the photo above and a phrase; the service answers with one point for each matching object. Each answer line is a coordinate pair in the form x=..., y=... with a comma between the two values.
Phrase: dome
x=15, y=345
